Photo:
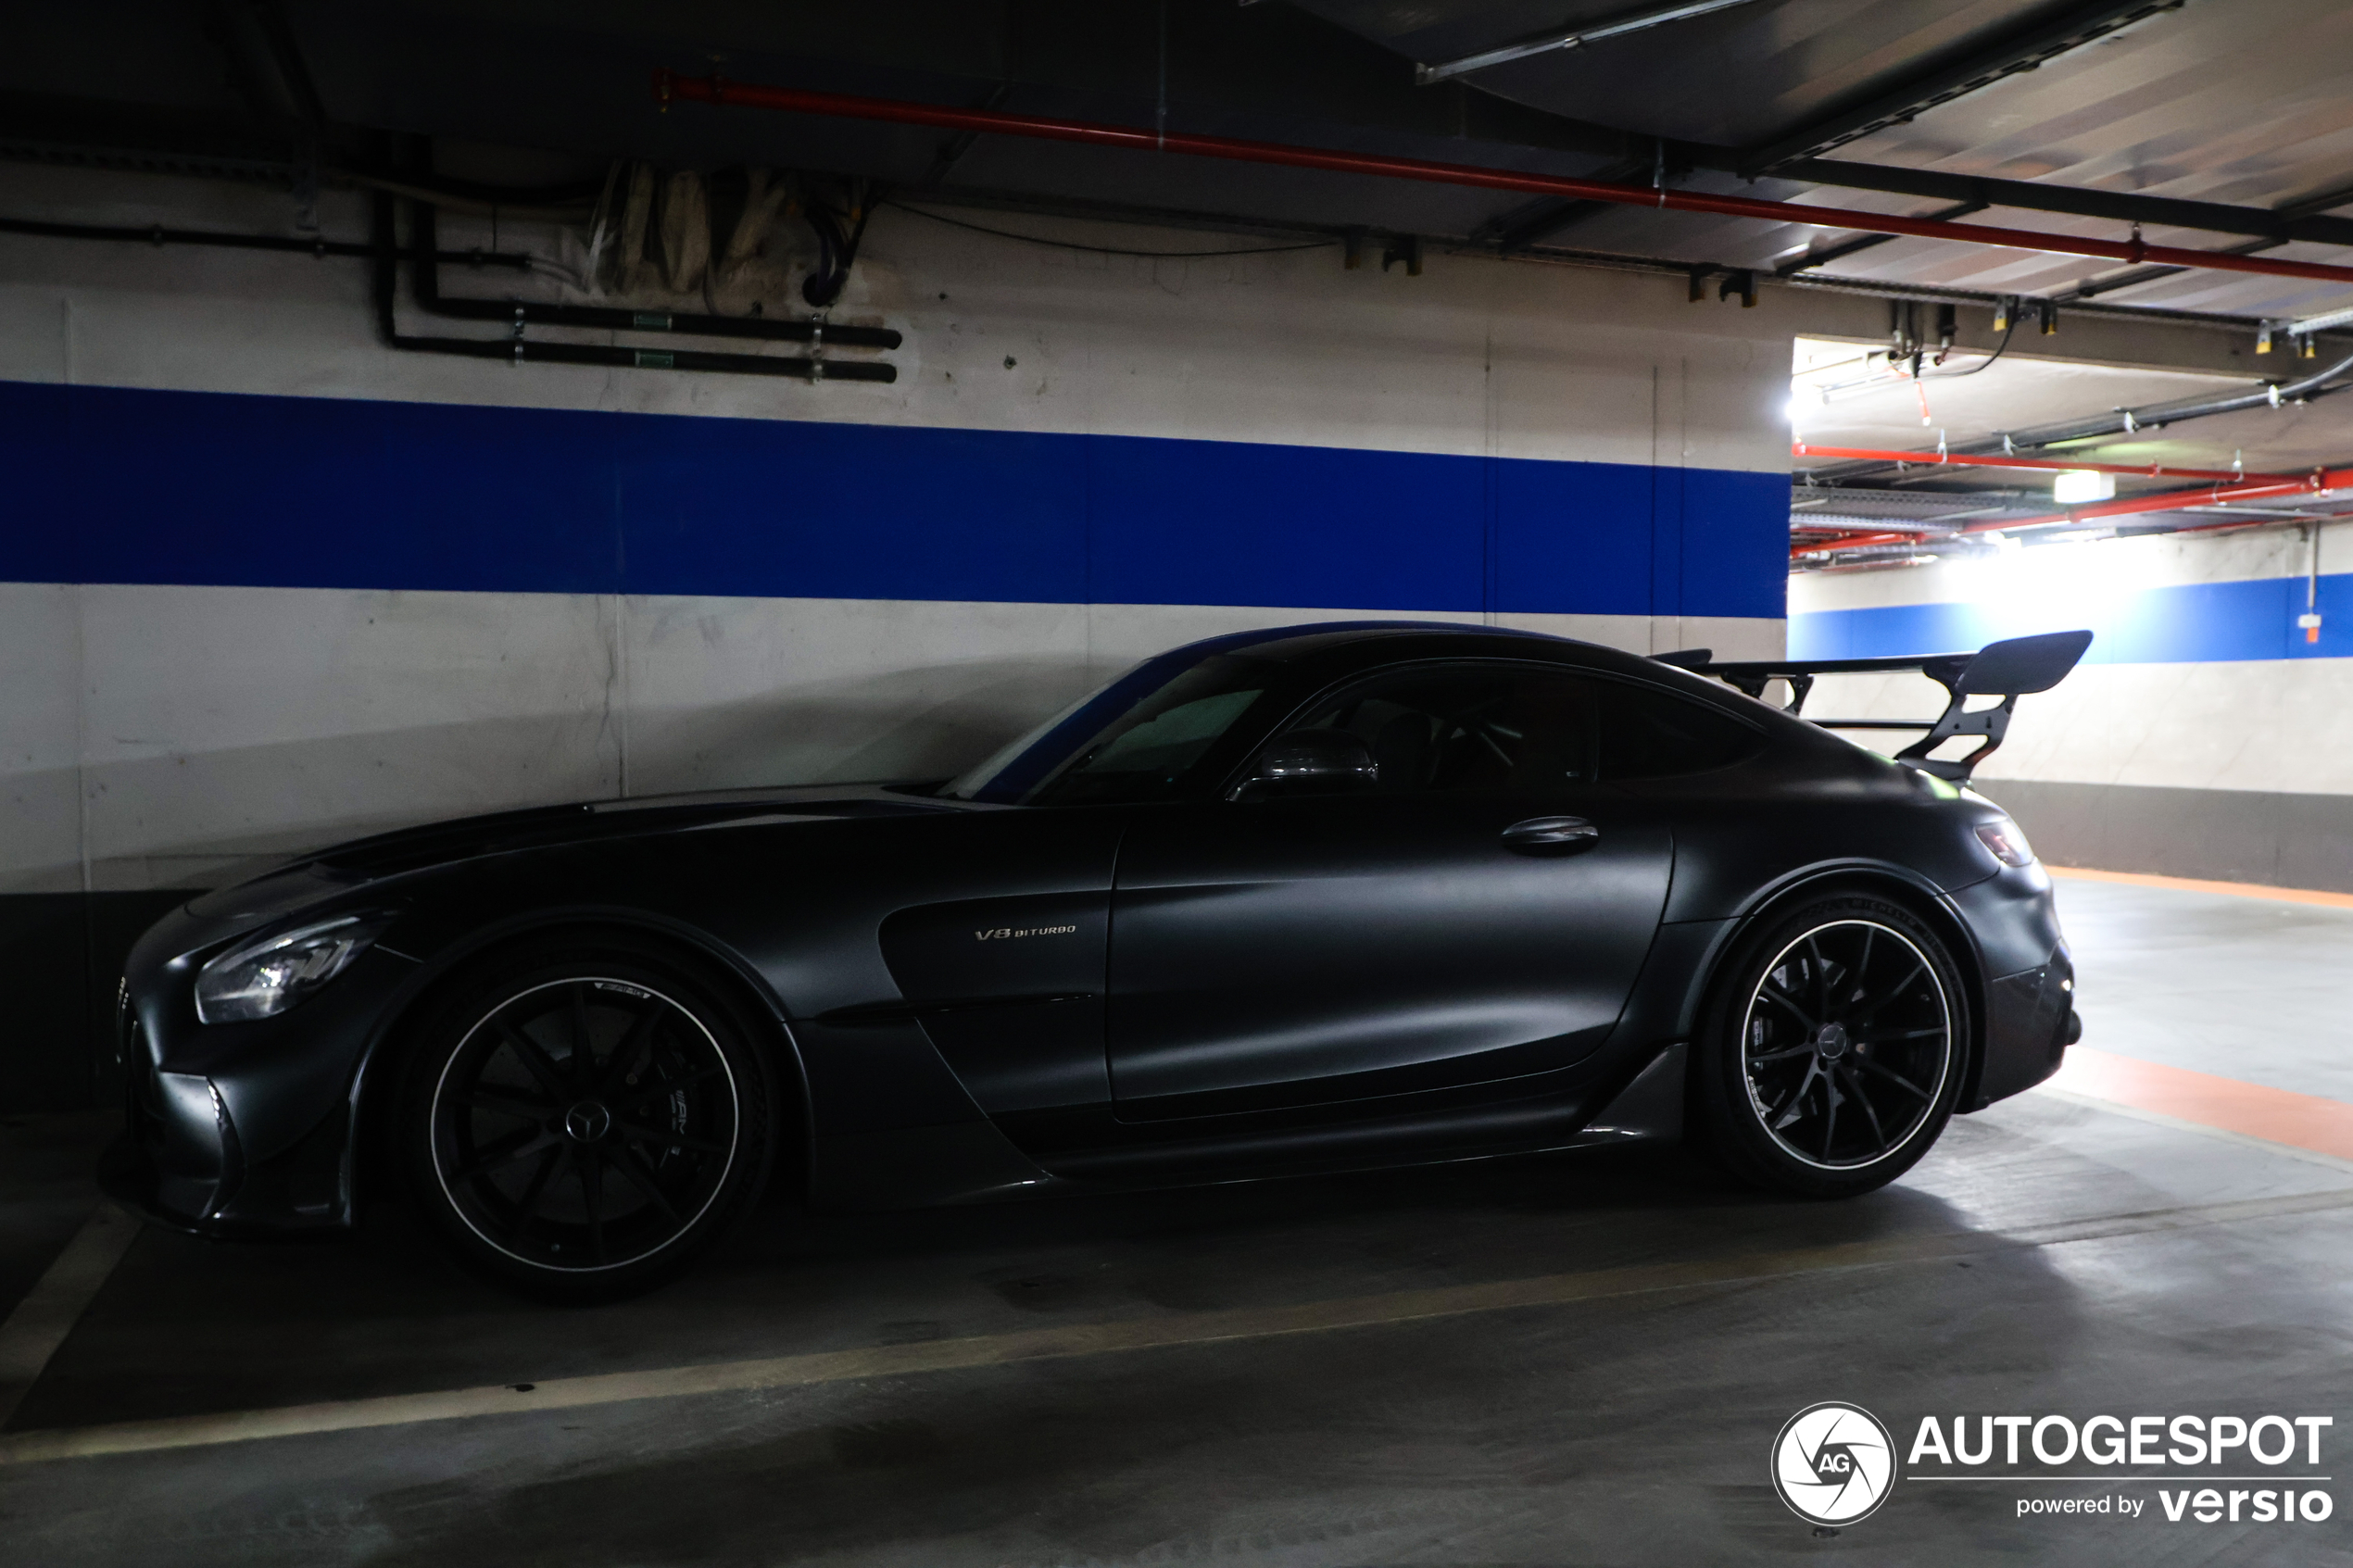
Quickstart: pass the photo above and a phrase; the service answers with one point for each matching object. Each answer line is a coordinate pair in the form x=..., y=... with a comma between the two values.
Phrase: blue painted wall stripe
x=117, y=485
x=2179, y=623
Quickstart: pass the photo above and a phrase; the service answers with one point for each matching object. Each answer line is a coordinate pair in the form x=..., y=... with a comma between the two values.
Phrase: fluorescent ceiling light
x=2069, y=486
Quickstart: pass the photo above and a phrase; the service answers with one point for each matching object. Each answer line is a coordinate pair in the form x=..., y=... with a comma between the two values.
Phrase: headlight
x=2005, y=843
x=264, y=979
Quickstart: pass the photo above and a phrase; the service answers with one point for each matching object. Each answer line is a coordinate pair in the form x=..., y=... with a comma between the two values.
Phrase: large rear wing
x=2011, y=669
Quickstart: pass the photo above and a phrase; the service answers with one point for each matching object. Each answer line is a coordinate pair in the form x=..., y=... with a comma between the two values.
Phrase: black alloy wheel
x=1834, y=1054
x=584, y=1126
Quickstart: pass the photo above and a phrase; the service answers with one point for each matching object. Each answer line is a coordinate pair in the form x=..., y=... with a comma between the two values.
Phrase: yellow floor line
x=1159, y=1332
x=47, y=1313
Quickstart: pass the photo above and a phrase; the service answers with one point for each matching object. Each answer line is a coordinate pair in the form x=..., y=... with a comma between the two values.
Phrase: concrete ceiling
x=1847, y=395
x=2243, y=102
x=2015, y=393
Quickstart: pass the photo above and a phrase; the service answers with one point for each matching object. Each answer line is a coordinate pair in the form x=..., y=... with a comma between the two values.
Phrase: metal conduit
x=2319, y=482
x=158, y=235
x=2122, y=422
x=1936, y=459
x=515, y=350
x=617, y=318
x=670, y=86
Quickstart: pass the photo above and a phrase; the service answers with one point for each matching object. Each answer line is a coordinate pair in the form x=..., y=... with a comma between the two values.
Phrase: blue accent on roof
x=216, y=488
x=2178, y=624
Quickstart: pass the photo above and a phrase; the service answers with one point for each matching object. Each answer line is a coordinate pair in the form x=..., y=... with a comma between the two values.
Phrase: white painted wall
x=150, y=735
x=2276, y=725
x=1475, y=357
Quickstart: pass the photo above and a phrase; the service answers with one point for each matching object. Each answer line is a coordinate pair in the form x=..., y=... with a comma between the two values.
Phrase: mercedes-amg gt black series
x=1327, y=896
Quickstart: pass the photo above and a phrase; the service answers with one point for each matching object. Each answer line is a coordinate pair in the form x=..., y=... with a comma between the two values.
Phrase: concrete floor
x=1627, y=1425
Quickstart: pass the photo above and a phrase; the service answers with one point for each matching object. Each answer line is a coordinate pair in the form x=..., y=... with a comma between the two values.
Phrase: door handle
x=1541, y=836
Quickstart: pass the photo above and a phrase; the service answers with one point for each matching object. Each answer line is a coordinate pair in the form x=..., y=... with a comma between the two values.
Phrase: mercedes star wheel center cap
x=1829, y=1043
x=587, y=1122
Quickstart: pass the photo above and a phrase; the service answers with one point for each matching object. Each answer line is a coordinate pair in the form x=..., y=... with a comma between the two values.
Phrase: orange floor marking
x=2191, y=884
x=2324, y=1126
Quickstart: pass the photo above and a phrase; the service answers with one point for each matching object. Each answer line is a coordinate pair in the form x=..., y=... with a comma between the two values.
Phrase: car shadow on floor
x=188, y=1325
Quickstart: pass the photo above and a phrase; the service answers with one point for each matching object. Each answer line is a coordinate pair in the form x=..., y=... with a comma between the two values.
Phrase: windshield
x=1138, y=738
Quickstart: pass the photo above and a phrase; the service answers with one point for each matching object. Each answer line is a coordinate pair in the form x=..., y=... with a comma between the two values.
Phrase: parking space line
x=2203, y=1099
x=1160, y=1332
x=2193, y=884
x=40, y=1321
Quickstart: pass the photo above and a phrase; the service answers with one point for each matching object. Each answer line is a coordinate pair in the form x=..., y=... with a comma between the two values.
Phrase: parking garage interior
x=414, y=412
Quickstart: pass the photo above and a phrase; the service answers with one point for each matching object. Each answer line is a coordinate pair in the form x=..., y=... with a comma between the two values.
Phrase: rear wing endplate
x=2011, y=669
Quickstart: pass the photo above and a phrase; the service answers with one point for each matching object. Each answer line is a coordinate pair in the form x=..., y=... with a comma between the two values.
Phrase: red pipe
x=2318, y=483
x=1931, y=459
x=668, y=85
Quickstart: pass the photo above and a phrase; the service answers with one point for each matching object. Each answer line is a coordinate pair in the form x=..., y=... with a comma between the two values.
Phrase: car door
x=1477, y=911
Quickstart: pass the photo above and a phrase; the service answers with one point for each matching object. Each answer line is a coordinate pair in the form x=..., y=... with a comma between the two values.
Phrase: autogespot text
x=2206, y=1469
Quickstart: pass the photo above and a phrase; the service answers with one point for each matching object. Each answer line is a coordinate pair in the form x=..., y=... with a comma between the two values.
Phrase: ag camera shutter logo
x=1834, y=1463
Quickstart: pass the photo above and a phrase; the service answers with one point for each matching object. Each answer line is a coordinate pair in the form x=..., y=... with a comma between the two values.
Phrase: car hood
x=291, y=883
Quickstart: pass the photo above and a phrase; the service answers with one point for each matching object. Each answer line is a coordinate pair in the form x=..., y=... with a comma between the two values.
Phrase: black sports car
x=1333, y=896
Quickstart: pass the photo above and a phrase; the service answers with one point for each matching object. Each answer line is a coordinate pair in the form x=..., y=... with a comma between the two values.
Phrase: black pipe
x=578, y=194
x=430, y=299
x=156, y=235
x=517, y=351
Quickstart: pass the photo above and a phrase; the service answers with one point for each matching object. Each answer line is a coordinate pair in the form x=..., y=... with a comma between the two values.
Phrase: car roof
x=1335, y=649
x=1286, y=643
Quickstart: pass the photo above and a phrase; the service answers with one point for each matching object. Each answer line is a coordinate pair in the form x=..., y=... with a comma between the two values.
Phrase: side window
x=1146, y=752
x=1469, y=727
x=1655, y=734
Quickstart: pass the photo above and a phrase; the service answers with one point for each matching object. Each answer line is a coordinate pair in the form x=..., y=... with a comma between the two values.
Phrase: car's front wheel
x=582, y=1120
x=1832, y=1048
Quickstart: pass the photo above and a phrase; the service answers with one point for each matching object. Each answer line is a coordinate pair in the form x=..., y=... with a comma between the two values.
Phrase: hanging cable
x=1998, y=350
x=1107, y=250
x=838, y=234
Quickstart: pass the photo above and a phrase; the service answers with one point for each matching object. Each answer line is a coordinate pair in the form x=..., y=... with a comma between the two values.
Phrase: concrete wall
x=266, y=584
x=2202, y=737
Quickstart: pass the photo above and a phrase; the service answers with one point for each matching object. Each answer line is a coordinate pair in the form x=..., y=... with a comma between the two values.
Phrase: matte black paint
x=978, y=999
x=1300, y=951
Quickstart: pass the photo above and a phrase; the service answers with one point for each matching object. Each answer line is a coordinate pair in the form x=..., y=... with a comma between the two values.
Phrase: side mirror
x=1309, y=762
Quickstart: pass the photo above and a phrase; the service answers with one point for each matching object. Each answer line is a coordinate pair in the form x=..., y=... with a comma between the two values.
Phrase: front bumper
x=180, y=1160
x=241, y=1129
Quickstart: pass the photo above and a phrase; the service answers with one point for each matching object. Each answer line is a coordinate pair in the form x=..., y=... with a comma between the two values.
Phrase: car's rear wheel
x=583, y=1120
x=1833, y=1049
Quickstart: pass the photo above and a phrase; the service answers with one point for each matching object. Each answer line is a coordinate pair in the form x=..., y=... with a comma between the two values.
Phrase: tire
x=576, y=1174
x=1832, y=1048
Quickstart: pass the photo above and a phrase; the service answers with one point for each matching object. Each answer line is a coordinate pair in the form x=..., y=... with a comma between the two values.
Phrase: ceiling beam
x=1524, y=226
x=2029, y=196
x=2312, y=205
x=2141, y=275
x=1574, y=38
x=1915, y=94
x=1824, y=257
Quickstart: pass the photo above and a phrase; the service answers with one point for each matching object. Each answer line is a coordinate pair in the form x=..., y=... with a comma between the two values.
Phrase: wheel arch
x=375, y=1087
x=1884, y=879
